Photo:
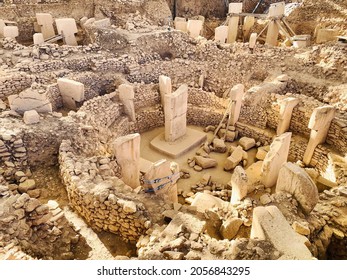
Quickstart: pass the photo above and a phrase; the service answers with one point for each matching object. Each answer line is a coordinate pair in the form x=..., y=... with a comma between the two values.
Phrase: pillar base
x=189, y=141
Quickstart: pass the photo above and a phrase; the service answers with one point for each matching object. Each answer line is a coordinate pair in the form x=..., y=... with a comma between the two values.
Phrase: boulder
x=205, y=162
x=26, y=186
x=219, y=146
x=30, y=100
x=31, y=117
x=230, y=227
x=294, y=180
x=247, y=143
x=270, y=224
x=204, y=201
x=234, y=159
x=230, y=135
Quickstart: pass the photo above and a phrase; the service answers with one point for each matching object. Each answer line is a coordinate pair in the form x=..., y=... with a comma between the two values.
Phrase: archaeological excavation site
x=173, y=130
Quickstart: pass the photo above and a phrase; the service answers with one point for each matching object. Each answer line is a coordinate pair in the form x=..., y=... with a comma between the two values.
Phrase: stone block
x=30, y=100
x=270, y=224
x=221, y=34
x=239, y=184
x=247, y=143
x=194, y=28
x=204, y=201
x=294, y=180
x=326, y=35
x=31, y=117
x=10, y=32
x=234, y=159
x=38, y=39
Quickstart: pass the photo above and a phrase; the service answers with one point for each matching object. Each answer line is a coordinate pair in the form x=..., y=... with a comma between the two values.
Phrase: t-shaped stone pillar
x=127, y=151
x=221, y=34
x=161, y=179
x=71, y=92
x=126, y=96
x=319, y=124
x=233, y=25
x=276, y=11
x=274, y=159
x=194, y=28
x=45, y=21
x=286, y=110
x=67, y=28
x=175, y=110
x=236, y=95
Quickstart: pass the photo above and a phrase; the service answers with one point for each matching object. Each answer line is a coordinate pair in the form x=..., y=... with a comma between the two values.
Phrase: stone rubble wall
x=101, y=197
x=13, y=154
x=40, y=230
x=14, y=83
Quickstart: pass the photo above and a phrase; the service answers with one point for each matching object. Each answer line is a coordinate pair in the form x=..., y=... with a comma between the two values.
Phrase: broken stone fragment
x=31, y=117
x=300, y=228
x=230, y=227
x=26, y=186
x=234, y=159
x=205, y=162
x=247, y=143
x=239, y=183
x=204, y=201
x=219, y=146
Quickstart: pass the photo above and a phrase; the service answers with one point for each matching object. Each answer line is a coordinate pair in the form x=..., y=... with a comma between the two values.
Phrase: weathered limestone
x=253, y=40
x=230, y=227
x=38, y=39
x=247, y=25
x=275, y=158
x=67, y=28
x=176, y=114
x=247, y=143
x=234, y=159
x=194, y=28
x=236, y=95
x=126, y=96
x=71, y=92
x=277, y=9
x=181, y=24
x=30, y=100
x=221, y=34
x=162, y=178
x=165, y=87
x=127, y=151
x=286, y=109
x=272, y=34
x=319, y=124
x=270, y=224
x=239, y=183
x=31, y=117
x=205, y=163
x=102, y=23
x=10, y=32
x=294, y=180
x=45, y=21
x=204, y=201
x=326, y=35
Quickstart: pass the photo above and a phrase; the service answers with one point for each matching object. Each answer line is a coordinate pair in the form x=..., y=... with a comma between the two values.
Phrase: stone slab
x=190, y=140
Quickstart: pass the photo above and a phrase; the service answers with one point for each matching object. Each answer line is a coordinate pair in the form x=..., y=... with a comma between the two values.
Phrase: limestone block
x=204, y=201
x=38, y=39
x=235, y=8
x=234, y=159
x=30, y=100
x=277, y=9
x=230, y=227
x=165, y=87
x=270, y=224
x=253, y=40
x=194, y=28
x=126, y=96
x=326, y=35
x=102, y=23
x=294, y=180
x=247, y=143
x=67, y=27
x=175, y=111
x=162, y=178
x=239, y=183
x=205, y=162
x=286, y=110
x=127, y=151
x=221, y=34
x=10, y=31
x=300, y=228
x=31, y=117
x=219, y=146
x=319, y=124
x=190, y=222
x=275, y=158
x=181, y=24
x=71, y=92
x=262, y=152
x=45, y=21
